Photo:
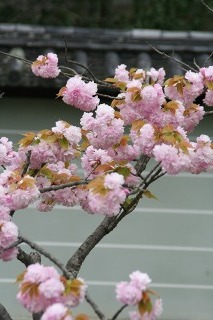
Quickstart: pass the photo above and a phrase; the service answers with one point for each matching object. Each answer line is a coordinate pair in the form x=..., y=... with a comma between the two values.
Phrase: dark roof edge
x=45, y=32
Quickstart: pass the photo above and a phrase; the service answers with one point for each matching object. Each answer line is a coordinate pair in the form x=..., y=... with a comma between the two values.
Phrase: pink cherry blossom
x=71, y=133
x=17, y=192
x=131, y=292
x=208, y=100
x=124, y=152
x=172, y=160
x=80, y=94
x=56, y=311
x=46, y=66
x=193, y=114
x=190, y=91
x=140, y=280
x=201, y=155
x=157, y=75
x=121, y=73
x=128, y=293
x=113, y=181
x=207, y=73
x=8, y=233
x=4, y=213
x=44, y=288
x=8, y=157
x=9, y=254
x=105, y=129
x=73, y=300
x=92, y=158
x=110, y=203
x=144, y=139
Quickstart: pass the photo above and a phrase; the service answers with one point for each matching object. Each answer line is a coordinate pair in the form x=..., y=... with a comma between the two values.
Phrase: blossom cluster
x=46, y=66
x=149, y=116
x=136, y=292
x=43, y=289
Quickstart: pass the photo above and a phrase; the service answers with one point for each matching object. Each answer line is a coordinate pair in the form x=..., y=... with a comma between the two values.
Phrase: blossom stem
x=118, y=312
x=95, y=308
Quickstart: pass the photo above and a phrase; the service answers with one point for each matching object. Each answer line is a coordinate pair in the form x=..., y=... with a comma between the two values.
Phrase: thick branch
x=108, y=224
x=75, y=262
x=28, y=259
x=4, y=315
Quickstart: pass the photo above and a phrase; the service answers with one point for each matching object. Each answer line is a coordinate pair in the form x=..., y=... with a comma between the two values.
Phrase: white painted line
x=119, y=246
x=113, y=283
x=143, y=210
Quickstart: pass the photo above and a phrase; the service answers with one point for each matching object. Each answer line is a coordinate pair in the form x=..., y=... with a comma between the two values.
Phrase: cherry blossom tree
x=149, y=118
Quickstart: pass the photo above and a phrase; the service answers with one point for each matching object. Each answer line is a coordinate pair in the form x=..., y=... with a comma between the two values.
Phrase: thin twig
x=95, y=308
x=69, y=69
x=208, y=113
x=118, y=312
x=210, y=9
x=209, y=57
x=49, y=256
x=16, y=57
x=108, y=96
x=196, y=65
x=152, y=171
x=79, y=64
x=173, y=58
x=63, y=186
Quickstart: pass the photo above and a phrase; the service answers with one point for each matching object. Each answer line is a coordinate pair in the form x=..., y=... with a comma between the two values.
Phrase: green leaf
x=124, y=171
x=145, y=305
x=149, y=194
x=64, y=143
x=47, y=173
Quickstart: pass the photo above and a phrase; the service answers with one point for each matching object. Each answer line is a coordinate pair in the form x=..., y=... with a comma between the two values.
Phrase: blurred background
x=170, y=238
x=122, y=14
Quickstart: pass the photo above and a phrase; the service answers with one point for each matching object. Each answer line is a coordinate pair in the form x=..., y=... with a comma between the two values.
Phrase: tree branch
x=108, y=224
x=173, y=58
x=28, y=259
x=210, y=9
x=26, y=166
x=49, y=256
x=75, y=262
x=208, y=113
x=4, y=315
x=119, y=311
x=16, y=57
x=63, y=186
